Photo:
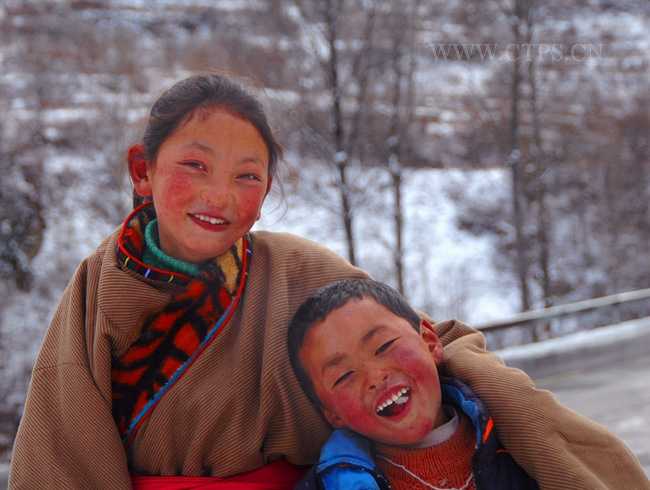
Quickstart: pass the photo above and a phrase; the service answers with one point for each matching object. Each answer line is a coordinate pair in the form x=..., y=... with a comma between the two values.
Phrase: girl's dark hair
x=199, y=92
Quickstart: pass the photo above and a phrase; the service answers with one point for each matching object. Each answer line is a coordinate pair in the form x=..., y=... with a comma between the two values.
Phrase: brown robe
x=239, y=405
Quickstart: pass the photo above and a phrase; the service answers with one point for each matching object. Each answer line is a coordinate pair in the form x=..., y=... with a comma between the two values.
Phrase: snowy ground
x=626, y=340
x=603, y=374
x=4, y=473
x=615, y=395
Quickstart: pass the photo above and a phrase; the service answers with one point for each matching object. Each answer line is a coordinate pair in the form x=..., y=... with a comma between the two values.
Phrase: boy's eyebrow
x=337, y=358
x=371, y=333
x=332, y=361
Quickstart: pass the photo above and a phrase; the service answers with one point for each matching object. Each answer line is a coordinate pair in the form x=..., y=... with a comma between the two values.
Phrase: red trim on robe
x=278, y=475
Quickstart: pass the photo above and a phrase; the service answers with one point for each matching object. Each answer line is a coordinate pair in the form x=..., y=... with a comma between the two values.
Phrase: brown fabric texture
x=239, y=406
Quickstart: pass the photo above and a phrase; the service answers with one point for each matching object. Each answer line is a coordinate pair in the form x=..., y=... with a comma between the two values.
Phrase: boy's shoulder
x=346, y=461
x=455, y=392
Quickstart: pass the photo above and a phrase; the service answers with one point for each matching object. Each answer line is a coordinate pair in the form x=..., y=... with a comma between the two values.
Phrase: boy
x=368, y=361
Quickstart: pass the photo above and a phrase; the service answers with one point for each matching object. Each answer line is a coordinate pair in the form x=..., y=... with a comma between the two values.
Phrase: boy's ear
x=430, y=337
x=333, y=419
x=139, y=171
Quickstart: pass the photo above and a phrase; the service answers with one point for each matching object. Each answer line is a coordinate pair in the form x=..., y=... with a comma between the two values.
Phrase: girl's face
x=208, y=184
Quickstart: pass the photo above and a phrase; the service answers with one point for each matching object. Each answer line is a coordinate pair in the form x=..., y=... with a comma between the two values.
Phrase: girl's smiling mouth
x=394, y=402
x=208, y=222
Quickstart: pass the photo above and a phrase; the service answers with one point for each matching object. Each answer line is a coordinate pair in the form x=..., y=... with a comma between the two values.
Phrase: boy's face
x=374, y=374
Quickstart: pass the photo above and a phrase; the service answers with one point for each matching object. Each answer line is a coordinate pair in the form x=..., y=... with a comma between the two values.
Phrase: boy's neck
x=444, y=429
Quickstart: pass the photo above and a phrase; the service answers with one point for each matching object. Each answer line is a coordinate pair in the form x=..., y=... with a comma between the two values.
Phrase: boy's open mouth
x=395, y=404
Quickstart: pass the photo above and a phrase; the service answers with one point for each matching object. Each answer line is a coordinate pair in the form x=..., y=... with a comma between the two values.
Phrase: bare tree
x=346, y=72
x=517, y=15
x=538, y=159
x=402, y=67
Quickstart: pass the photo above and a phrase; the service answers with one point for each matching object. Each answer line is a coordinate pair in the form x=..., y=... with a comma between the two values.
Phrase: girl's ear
x=139, y=171
x=430, y=337
x=268, y=185
x=268, y=189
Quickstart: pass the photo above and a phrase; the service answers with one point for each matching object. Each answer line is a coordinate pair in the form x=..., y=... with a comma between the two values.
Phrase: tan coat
x=239, y=406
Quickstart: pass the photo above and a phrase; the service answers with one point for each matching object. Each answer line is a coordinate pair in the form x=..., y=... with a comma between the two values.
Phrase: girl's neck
x=155, y=256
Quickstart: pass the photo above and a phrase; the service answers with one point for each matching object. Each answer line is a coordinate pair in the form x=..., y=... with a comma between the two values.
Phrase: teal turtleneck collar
x=154, y=256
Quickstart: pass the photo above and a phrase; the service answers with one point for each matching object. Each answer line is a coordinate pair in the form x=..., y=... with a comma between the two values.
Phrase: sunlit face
x=374, y=374
x=208, y=184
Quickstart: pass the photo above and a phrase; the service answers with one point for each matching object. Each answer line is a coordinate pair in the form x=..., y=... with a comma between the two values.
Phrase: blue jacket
x=346, y=461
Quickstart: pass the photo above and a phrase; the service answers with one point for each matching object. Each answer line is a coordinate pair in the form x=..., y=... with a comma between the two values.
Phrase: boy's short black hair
x=332, y=297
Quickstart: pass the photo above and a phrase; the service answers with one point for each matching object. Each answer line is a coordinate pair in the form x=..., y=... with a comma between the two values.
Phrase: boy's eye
x=343, y=377
x=385, y=346
x=194, y=164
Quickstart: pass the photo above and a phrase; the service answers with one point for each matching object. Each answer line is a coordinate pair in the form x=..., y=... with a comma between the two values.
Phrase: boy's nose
x=378, y=381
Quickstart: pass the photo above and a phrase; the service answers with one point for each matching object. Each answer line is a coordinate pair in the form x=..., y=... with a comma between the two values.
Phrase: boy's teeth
x=210, y=219
x=400, y=398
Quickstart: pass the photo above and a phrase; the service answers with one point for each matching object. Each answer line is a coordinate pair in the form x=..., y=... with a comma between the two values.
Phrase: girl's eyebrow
x=195, y=145
x=251, y=160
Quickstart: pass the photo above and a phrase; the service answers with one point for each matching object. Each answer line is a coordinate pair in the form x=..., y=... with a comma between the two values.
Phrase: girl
x=167, y=353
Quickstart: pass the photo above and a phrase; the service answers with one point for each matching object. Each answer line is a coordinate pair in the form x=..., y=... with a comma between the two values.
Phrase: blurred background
x=484, y=157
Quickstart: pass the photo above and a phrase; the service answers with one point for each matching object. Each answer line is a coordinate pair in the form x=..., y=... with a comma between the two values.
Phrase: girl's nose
x=216, y=194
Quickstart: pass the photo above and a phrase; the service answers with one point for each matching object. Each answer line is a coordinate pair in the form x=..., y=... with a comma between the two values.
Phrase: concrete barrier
x=4, y=474
x=582, y=350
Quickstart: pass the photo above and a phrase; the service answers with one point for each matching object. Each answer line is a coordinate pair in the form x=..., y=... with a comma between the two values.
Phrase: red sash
x=278, y=475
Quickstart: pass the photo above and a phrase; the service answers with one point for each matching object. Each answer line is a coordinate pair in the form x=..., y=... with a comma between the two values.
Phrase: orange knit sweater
x=445, y=465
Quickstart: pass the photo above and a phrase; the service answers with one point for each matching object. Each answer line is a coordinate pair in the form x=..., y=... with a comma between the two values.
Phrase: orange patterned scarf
x=171, y=339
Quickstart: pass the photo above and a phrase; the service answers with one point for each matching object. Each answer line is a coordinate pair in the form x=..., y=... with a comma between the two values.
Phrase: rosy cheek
x=179, y=183
x=249, y=203
x=350, y=408
x=360, y=421
x=413, y=362
x=176, y=189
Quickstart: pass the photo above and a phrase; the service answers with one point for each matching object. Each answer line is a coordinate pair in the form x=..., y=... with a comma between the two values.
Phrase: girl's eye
x=342, y=378
x=385, y=346
x=194, y=164
x=253, y=177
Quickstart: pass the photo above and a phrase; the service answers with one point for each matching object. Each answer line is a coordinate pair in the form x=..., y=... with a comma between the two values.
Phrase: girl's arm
x=67, y=437
x=558, y=447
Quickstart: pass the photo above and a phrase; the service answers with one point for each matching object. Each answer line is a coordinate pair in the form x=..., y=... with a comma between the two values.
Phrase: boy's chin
x=406, y=438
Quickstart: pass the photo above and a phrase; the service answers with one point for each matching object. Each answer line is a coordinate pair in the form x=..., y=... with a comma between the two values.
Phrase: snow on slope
x=448, y=273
